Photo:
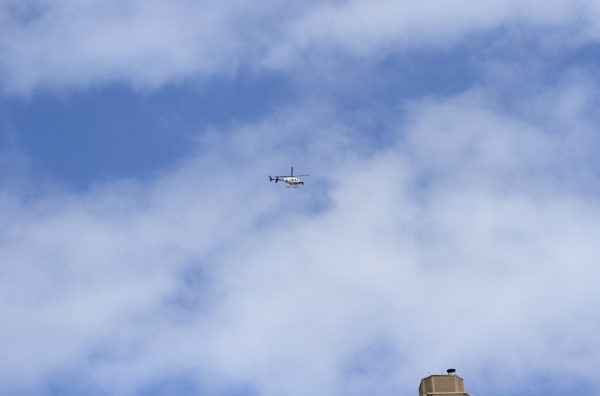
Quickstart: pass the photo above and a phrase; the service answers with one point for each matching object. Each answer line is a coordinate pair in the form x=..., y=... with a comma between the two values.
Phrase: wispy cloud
x=149, y=43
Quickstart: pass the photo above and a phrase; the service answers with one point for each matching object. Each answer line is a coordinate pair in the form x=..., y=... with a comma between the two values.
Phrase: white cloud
x=149, y=43
x=469, y=241
x=457, y=245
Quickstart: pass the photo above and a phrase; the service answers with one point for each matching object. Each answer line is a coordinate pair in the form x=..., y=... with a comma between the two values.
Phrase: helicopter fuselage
x=292, y=181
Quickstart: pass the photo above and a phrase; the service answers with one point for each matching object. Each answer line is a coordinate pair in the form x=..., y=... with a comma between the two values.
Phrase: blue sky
x=449, y=219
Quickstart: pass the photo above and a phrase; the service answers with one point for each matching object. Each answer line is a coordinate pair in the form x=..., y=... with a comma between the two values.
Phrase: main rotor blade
x=302, y=175
x=292, y=172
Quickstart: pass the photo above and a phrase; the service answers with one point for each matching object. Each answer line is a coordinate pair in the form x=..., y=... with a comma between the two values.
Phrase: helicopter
x=292, y=180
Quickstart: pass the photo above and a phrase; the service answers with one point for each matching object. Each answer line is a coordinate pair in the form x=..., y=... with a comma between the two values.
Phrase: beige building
x=442, y=385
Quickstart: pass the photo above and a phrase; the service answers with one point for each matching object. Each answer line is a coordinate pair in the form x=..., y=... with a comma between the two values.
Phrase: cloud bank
x=457, y=244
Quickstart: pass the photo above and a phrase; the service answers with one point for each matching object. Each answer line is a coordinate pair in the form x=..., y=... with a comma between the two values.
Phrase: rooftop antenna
x=451, y=371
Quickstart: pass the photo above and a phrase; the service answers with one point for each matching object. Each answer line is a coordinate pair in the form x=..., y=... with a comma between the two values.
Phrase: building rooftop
x=442, y=385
